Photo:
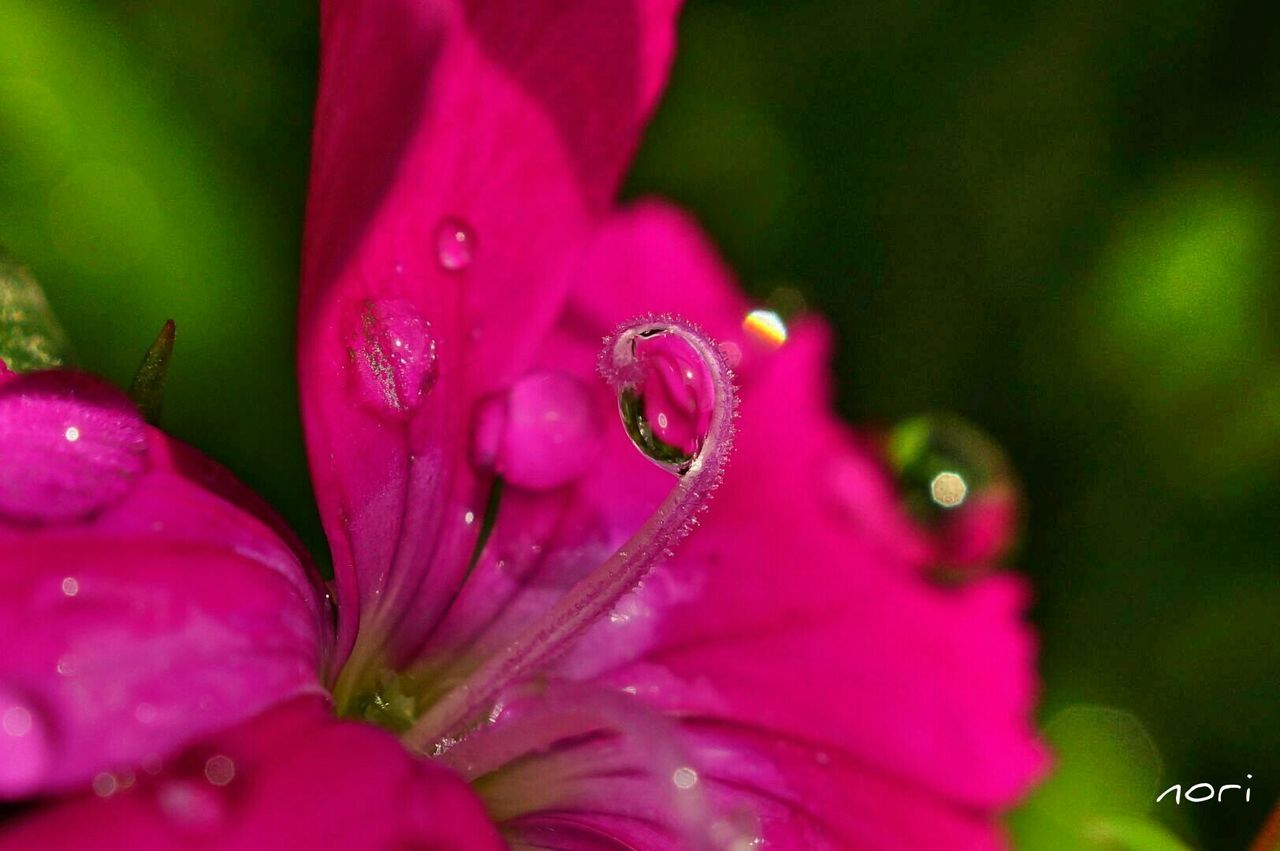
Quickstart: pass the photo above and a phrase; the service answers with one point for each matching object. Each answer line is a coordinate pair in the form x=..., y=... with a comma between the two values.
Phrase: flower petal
x=293, y=777
x=171, y=611
x=461, y=153
x=806, y=630
x=798, y=613
x=571, y=766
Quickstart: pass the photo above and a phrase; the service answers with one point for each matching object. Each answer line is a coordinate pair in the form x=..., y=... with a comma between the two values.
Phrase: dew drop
x=684, y=777
x=540, y=433
x=219, y=769
x=105, y=784
x=26, y=747
x=666, y=398
x=70, y=586
x=70, y=445
x=395, y=356
x=455, y=244
x=956, y=480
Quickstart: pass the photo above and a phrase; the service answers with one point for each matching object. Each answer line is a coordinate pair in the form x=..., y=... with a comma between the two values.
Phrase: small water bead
x=455, y=244
x=957, y=481
x=540, y=433
x=394, y=353
x=666, y=396
x=70, y=445
x=220, y=769
x=684, y=777
x=26, y=747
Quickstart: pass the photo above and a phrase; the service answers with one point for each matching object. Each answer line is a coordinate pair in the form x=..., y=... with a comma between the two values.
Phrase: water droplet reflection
x=667, y=399
x=958, y=483
x=220, y=770
x=684, y=777
x=455, y=244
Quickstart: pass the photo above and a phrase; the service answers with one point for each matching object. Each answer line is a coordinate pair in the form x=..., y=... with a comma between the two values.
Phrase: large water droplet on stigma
x=957, y=481
x=26, y=748
x=455, y=244
x=540, y=433
x=666, y=397
x=395, y=355
x=70, y=445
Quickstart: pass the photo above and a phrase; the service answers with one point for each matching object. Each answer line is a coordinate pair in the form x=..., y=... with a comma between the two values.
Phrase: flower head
x=574, y=644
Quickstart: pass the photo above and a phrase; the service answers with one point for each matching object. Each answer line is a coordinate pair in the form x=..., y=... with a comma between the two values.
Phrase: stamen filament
x=595, y=595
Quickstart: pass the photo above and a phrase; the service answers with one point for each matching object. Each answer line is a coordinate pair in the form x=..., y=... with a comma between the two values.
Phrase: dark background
x=1057, y=219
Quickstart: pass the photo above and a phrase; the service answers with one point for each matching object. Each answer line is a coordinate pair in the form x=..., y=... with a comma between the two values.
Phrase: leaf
x=30, y=337
x=1135, y=833
x=147, y=388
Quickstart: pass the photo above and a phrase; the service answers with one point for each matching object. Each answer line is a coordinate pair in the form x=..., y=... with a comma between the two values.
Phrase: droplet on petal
x=219, y=769
x=455, y=244
x=26, y=749
x=395, y=356
x=684, y=777
x=957, y=481
x=70, y=445
x=540, y=433
x=666, y=397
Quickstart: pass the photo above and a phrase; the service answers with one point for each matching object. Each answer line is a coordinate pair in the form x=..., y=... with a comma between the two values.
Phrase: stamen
x=677, y=402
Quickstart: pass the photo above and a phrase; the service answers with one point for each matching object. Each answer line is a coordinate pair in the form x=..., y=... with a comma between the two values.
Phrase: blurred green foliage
x=1056, y=218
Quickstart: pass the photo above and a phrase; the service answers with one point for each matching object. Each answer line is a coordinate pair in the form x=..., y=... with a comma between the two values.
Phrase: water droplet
x=684, y=777
x=958, y=483
x=667, y=398
x=70, y=445
x=395, y=355
x=455, y=244
x=26, y=748
x=105, y=784
x=540, y=433
x=70, y=586
x=220, y=770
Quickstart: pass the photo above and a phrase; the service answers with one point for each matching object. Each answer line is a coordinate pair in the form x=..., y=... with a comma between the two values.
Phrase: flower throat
x=677, y=403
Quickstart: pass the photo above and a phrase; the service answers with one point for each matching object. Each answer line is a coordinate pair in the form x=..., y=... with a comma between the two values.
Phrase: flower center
x=677, y=403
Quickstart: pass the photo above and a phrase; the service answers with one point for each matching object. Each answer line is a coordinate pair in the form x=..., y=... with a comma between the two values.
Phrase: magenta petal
x=70, y=445
x=798, y=613
x=461, y=155
x=575, y=767
x=292, y=778
x=799, y=624
x=805, y=796
x=175, y=610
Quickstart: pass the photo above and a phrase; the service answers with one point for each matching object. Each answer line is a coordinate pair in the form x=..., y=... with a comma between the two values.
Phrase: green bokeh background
x=1058, y=219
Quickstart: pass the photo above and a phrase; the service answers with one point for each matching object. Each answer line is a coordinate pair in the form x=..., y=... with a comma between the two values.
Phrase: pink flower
x=507, y=604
